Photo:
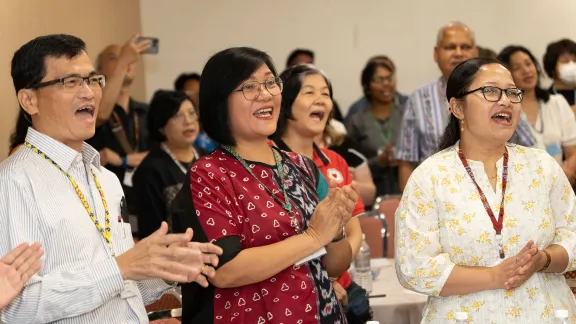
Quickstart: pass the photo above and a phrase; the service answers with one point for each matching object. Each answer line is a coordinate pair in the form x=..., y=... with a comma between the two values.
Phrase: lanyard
x=497, y=224
x=287, y=205
x=106, y=233
x=385, y=134
x=178, y=163
x=136, y=128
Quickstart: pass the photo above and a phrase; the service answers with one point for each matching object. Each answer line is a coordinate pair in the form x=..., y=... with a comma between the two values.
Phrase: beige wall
x=98, y=23
x=343, y=33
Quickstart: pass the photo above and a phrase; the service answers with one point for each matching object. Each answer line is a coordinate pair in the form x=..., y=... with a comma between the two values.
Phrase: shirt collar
x=60, y=153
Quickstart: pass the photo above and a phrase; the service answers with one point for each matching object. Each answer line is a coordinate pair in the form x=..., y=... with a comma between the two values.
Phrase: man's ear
x=28, y=101
x=457, y=109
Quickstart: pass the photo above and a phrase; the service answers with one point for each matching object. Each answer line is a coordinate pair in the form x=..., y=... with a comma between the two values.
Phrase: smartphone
x=153, y=45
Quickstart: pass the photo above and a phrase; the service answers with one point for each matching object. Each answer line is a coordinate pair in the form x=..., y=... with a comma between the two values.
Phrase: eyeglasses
x=75, y=82
x=251, y=89
x=494, y=94
x=182, y=116
x=382, y=80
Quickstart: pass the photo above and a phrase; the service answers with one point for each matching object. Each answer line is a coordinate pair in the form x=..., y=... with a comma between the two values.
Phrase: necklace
x=287, y=205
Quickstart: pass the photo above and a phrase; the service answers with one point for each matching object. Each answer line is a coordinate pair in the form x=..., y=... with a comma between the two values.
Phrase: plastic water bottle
x=363, y=273
x=461, y=317
x=561, y=316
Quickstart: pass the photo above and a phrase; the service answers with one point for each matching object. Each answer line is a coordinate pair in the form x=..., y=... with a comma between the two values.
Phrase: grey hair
x=453, y=24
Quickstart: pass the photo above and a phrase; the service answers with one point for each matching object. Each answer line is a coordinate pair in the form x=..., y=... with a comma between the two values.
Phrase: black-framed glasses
x=75, y=82
x=251, y=89
x=494, y=94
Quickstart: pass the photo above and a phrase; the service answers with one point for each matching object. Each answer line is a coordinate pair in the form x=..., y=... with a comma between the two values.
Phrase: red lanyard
x=497, y=224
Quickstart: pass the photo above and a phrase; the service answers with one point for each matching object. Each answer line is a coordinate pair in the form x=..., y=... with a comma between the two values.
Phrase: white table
x=400, y=306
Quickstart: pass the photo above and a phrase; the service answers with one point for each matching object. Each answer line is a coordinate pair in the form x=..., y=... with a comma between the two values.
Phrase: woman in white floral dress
x=487, y=227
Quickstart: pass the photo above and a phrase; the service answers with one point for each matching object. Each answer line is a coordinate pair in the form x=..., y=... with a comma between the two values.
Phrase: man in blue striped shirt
x=54, y=191
x=426, y=114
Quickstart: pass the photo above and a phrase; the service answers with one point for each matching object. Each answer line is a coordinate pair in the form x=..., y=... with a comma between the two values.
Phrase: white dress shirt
x=79, y=281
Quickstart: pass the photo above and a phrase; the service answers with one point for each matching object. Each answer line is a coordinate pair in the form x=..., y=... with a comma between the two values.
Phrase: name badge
x=128, y=174
x=314, y=255
x=130, y=289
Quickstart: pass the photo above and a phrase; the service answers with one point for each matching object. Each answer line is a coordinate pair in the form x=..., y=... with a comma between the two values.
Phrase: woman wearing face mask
x=560, y=65
x=484, y=226
x=551, y=120
x=173, y=124
x=306, y=106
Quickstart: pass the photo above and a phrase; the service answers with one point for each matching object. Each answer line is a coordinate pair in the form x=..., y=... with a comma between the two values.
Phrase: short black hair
x=28, y=68
x=554, y=51
x=222, y=74
x=368, y=74
x=505, y=56
x=292, y=79
x=295, y=53
x=183, y=78
x=458, y=83
x=164, y=105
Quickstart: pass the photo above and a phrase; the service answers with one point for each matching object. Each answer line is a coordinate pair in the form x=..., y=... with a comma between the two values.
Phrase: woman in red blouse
x=305, y=109
x=275, y=217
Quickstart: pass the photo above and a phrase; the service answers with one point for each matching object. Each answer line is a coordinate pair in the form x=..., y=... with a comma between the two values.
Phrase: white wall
x=343, y=33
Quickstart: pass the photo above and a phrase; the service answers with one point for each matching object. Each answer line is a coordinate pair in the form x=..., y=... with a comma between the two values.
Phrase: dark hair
x=505, y=57
x=164, y=105
x=222, y=74
x=292, y=79
x=368, y=74
x=459, y=82
x=29, y=68
x=554, y=51
x=486, y=52
x=183, y=78
x=295, y=53
x=383, y=58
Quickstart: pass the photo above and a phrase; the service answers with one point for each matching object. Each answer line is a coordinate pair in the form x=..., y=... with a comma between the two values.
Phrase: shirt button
x=78, y=158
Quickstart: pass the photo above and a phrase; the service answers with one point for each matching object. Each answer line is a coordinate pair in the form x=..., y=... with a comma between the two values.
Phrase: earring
x=462, y=126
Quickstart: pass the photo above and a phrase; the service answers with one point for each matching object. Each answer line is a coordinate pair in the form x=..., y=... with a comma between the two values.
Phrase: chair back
x=388, y=207
x=374, y=231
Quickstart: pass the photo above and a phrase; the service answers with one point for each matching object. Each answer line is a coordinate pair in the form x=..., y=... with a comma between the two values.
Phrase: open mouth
x=263, y=113
x=503, y=117
x=318, y=115
x=189, y=133
x=86, y=111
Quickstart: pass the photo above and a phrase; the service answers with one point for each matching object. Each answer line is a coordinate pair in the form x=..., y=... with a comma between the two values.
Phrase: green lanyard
x=385, y=134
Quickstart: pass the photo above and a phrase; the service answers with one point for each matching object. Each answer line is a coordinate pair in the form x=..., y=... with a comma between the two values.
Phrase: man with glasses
x=53, y=190
x=426, y=114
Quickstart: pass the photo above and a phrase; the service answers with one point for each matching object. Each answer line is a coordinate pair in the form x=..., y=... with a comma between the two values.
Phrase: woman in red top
x=305, y=109
x=264, y=207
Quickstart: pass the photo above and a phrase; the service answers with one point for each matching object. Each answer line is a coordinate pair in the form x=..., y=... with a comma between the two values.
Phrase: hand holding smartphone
x=154, y=44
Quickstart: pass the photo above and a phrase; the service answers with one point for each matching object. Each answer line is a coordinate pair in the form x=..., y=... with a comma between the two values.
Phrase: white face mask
x=568, y=73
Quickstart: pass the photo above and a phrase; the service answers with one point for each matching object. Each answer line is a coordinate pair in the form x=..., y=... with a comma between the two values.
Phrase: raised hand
x=16, y=268
x=130, y=52
x=171, y=257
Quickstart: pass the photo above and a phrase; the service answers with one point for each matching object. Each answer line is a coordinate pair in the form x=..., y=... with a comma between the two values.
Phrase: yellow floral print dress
x=441, y=222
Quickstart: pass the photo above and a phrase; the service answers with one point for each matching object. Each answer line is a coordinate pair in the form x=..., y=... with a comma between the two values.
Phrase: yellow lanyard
x=104, y=231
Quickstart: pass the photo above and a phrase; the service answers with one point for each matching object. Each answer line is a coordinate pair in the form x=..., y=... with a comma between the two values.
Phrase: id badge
x=130, y=289
x=128, y=174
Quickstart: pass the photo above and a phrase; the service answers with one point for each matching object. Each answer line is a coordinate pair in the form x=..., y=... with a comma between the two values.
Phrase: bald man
x=426, y=114
x=121, y=133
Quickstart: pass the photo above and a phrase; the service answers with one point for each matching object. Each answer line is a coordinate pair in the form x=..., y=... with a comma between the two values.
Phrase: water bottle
x=561, y=316
x=363, y=273
x=461, y=317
